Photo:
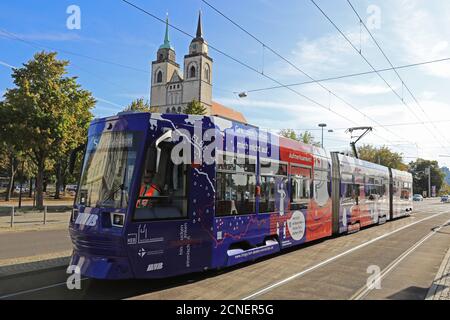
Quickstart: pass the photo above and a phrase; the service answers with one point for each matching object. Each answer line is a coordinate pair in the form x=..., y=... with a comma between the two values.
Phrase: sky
x=112, y=50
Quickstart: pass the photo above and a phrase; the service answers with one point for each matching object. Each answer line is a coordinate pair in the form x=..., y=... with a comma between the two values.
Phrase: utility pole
x=429, y=181
x=428, y=172
x=21, y=186
x=322, y=125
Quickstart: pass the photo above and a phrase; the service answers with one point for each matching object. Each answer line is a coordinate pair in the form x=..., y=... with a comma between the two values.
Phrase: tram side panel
x=360, y=194
x=291, y=205
x=401, y=192
x=239, y=233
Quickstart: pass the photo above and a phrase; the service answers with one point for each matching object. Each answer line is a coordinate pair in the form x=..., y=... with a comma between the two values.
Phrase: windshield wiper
x=112, y=194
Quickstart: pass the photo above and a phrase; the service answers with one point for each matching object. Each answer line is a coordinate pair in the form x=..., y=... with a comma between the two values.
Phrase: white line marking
x=36, y=289
x=297, y=275
x=361, y=293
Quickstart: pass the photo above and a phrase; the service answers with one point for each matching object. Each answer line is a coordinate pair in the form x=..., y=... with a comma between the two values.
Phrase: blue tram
x=167, y=194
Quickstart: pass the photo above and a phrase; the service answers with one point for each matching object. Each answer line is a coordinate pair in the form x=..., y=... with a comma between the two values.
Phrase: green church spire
x=166, y=44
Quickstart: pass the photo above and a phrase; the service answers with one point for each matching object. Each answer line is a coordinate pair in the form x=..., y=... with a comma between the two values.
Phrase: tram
x=167, y=194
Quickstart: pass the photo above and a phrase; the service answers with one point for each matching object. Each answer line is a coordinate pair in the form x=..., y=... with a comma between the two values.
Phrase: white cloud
x=2, y=63
x=47, y=36
x=323, y=54
x=133, y=95
x=109, y=102
x=418, y=29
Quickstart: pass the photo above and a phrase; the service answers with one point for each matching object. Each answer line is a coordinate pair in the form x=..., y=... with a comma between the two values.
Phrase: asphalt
x=33, y=243
x=335, y=268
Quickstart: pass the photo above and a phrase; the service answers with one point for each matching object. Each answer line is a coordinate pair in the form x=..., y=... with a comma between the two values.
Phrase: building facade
x=172, y=88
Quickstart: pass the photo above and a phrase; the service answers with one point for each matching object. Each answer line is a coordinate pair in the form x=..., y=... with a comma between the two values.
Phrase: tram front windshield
x=108, y=168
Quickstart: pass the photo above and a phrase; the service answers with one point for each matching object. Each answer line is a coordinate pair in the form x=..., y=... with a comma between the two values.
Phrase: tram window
x=270, y=167
x=372, y=192
x=300, y=187
x=235, y=194
x=163, y=189
x=272, y=187
x=351, y=193
x=405, y=191
x=245, y=165
x=300, y=192
x=226, y=162
x=381, y=190
x=267, y=199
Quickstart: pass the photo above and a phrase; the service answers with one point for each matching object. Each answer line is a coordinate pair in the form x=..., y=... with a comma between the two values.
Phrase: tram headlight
x=74, y=214
x=117, y=219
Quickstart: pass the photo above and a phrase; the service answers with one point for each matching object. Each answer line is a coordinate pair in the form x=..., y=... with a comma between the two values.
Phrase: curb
x=439, y=281
x=30, y=267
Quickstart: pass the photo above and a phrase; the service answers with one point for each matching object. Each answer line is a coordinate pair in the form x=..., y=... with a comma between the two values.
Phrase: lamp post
x=322, y=125
x=428, y=172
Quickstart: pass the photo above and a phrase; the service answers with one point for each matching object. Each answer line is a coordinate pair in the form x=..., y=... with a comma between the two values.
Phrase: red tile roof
x=220, y=110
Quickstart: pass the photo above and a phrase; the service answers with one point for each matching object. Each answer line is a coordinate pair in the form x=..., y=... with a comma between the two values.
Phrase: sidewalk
x=440, y=289
x=33, y=221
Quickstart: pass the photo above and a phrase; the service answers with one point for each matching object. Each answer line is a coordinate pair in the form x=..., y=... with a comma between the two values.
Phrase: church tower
x=164, y=68
x=198, y=71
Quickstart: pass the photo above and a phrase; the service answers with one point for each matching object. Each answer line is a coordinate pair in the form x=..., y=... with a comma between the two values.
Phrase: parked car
x=445, y=198
x=71, y=188
x=24, y=189
x=417, y=197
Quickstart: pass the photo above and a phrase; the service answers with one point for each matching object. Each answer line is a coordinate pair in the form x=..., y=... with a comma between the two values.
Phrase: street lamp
x=322, y=125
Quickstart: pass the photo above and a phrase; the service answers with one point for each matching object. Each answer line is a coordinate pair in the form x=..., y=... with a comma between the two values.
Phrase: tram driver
x=148, y=189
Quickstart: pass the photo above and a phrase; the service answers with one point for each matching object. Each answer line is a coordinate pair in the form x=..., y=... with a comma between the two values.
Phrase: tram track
x=365, y=290
x=345, y=253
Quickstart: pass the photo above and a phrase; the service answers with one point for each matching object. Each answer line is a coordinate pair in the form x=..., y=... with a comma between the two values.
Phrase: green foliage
x=446, y=172
x=195, y=107
x=290, y=134
x=138, y=105
x=46, y=114
x=382, y=155
x=445, y=189
x=418, y=167
x=305, y=137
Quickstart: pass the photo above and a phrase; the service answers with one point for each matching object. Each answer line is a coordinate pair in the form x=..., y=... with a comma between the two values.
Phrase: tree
x=446, y=172
x=445, y=189
x=10, y=154
x=46, y=114
x=417, y=168
x=305, y=137
x=308, y=138
x=289, y=133
x=138, y=105
x=195, y=107
x=383, y=156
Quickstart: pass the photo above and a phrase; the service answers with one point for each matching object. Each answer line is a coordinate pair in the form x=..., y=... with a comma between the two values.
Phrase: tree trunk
x=12, y=173
x=64, y=185
x=30, y=194
x=40, y=185
x=58, y=180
